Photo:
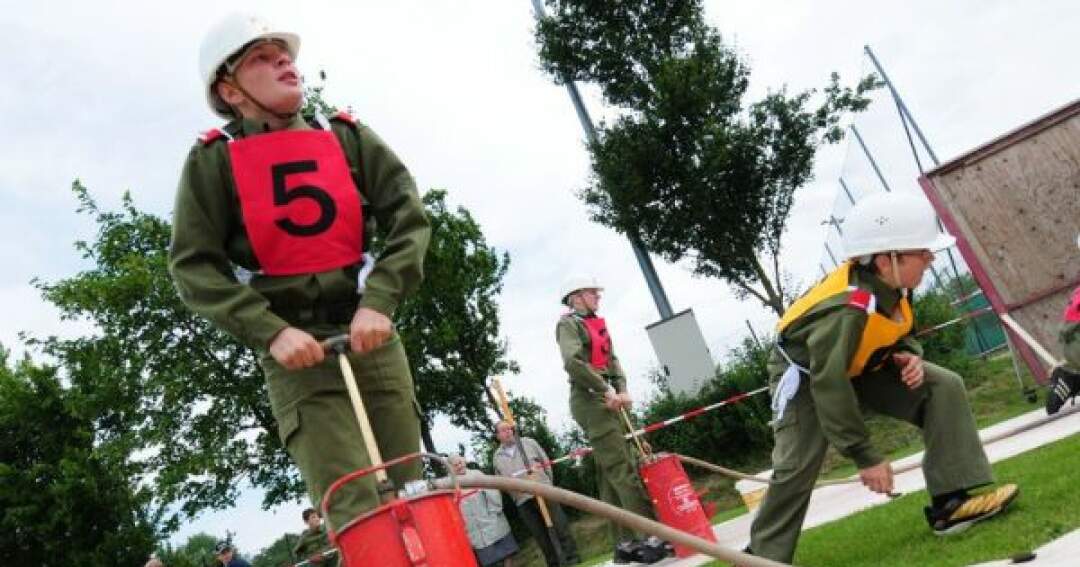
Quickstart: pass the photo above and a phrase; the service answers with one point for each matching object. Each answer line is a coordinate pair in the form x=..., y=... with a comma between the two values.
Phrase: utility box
x=1013, y=205
x=684, y=358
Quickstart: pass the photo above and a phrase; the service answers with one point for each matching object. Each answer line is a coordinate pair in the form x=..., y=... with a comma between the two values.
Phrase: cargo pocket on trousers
x=785, y=455
x=288, y=424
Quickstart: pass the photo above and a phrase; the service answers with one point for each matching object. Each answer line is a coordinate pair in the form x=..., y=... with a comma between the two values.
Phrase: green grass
x=725, y=515
x=897, y=534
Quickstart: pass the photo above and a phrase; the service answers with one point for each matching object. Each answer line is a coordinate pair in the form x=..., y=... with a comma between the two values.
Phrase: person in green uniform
x=597, y=395
x=271, y=219
x=1065, y=379
x=846, y=345
x=313, y=543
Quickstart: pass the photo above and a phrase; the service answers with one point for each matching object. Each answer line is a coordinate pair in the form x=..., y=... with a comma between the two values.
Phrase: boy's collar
x=248, y=127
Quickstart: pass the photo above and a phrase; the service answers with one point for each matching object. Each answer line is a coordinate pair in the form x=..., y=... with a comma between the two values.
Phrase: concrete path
x=1061, y=551
x=835, y=502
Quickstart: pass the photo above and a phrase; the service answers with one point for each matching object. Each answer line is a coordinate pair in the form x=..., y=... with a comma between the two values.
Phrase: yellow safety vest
x=880, y=331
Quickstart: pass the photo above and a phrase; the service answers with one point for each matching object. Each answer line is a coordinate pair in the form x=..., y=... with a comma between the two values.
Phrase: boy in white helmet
x=1065, y=379
x=597, y=395
x=285, y=197
x=845, y=345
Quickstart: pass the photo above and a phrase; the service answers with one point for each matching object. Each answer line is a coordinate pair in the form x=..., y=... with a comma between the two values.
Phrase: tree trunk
x=775, y=302
x=425, y=434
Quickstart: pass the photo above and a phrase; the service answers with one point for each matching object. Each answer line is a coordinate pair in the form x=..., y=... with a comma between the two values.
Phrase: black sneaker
x=648, y=554
x=637, y=552
x=659, y=545
x=1064, y=385
x=960, y=513
x=624, y=552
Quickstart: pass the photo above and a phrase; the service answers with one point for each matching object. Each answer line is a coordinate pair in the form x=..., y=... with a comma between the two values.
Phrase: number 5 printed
x=284, y=196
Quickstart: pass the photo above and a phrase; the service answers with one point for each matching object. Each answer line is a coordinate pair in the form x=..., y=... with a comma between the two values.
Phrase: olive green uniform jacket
x=315, y=418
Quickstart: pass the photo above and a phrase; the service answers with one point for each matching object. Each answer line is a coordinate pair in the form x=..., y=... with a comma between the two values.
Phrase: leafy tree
x=63, y=500
x=160, y=381
x=197, y=551
x=278, y=553
x=689, y=167
x=450, y=326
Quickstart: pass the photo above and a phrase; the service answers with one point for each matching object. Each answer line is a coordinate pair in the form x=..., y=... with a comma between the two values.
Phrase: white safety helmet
x=576, y=283
x=228, y=37
x=884, y=222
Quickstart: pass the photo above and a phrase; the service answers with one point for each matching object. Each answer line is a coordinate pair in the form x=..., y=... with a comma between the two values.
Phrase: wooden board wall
x=1014, y=204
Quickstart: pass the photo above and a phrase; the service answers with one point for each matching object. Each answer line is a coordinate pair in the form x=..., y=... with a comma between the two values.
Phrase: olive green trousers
x=953, y=460
x=617, y=479
x=318, y=427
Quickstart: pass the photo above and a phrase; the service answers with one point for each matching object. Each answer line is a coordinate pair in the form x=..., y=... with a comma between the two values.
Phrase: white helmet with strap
x=226, y=39
x=885, y=222
x=576, y=283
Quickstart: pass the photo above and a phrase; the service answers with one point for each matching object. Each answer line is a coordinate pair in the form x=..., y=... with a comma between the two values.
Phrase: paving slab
x=1062, y=551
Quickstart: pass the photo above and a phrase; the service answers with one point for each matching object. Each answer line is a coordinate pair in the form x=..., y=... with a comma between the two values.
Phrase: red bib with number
x=600, y=342
x=301, y=208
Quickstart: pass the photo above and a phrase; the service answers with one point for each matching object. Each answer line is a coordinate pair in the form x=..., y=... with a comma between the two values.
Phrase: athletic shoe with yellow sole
x=959, y=514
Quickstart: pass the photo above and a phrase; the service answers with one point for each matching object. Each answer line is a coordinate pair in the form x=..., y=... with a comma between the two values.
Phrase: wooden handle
x=361, y=416
x=544, y=511
x=504, y=404
x=633, y=432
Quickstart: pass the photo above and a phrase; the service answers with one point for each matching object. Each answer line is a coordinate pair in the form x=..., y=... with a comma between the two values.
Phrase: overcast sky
x=108, y=92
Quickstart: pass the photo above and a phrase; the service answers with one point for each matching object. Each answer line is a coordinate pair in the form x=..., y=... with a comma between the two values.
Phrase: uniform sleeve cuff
x=866, y=457
x=911, y=345
x=262, y=336
x=379, y=302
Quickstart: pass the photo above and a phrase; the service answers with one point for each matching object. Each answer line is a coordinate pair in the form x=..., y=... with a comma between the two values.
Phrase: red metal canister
x=674, y=499
x=424, y=530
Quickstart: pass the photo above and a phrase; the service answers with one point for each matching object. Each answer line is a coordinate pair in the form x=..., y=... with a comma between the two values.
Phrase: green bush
x=735, y=435
x=944, y=347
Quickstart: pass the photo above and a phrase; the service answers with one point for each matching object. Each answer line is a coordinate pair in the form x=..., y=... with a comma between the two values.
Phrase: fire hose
x=617, y=515
x=340, y=346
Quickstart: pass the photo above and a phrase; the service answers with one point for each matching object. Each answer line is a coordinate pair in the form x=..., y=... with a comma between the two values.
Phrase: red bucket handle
x=331, y=532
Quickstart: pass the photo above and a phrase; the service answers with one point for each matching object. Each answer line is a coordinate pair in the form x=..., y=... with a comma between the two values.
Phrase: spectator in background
x=508, y=462
x=489, y=532
x=227, y=555
x=313, y=543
